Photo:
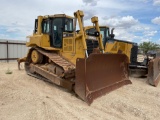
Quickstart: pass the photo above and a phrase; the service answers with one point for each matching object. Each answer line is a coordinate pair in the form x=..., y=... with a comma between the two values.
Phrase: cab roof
x=57, y=15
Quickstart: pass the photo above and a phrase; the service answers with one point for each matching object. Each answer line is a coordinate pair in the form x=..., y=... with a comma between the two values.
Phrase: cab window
x=45, y=26
x=68, y=25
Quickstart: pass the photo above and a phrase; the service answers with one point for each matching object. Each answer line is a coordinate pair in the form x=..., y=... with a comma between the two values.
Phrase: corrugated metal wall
x=14, y=50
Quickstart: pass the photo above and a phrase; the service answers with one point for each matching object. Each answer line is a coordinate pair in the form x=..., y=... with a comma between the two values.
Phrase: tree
x=146, y=46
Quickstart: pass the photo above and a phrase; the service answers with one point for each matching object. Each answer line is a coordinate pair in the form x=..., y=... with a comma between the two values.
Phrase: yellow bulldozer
x=140, y=65
x=73, y=59
x=112, y=45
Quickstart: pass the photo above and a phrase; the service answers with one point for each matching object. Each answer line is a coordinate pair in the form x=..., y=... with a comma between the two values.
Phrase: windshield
x=68, y=25
x=91, y=31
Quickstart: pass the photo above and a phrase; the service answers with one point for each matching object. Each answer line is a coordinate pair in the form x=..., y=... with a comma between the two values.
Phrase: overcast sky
x=133, y=20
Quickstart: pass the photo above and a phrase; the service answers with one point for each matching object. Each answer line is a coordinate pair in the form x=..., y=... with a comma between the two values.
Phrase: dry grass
x=8, y=71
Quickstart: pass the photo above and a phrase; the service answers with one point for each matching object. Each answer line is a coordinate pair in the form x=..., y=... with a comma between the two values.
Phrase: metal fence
x=11, y=50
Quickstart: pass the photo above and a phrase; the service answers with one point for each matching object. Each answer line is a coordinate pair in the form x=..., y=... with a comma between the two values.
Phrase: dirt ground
x=26, y=98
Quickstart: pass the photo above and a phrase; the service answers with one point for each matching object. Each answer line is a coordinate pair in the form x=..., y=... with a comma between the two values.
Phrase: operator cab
x=104, y=31
x=55, y=26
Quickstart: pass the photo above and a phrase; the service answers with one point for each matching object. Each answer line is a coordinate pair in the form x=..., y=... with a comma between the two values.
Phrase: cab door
x=57, y=33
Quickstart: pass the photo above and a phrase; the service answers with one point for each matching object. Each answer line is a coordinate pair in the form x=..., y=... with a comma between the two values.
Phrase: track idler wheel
x=36, y=57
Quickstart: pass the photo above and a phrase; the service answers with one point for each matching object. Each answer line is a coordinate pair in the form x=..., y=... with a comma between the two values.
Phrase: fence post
x=7, y=52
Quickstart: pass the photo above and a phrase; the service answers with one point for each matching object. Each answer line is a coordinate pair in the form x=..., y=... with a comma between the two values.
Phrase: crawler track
x=64, y=78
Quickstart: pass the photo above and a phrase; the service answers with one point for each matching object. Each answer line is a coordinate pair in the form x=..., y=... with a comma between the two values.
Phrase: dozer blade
x=154, y=72
x=99, y=74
